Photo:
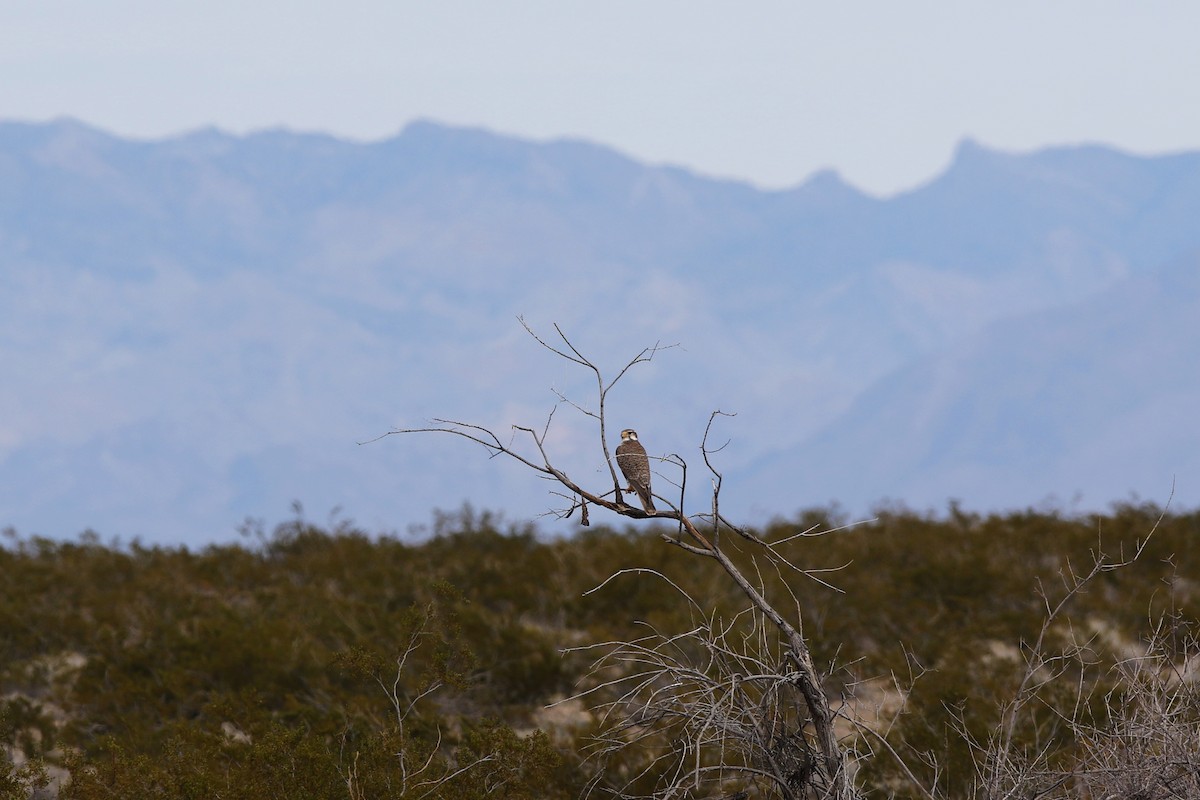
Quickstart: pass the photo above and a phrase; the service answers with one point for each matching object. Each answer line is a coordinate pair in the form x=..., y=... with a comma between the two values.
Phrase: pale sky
x=766, y=91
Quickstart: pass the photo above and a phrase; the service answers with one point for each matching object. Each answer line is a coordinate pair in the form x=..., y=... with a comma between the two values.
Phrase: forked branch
x=812, y=752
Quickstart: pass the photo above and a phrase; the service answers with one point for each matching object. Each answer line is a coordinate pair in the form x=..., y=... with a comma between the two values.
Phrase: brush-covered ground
x=327, y=662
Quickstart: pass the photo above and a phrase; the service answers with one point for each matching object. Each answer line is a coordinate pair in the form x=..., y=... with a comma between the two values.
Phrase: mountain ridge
x=917, y=422
x=239, y=311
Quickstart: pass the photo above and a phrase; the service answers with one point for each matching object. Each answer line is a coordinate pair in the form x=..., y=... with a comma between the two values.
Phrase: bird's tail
x=647, y=500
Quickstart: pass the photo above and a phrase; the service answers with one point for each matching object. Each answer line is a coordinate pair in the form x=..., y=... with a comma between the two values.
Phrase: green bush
x=270, y=669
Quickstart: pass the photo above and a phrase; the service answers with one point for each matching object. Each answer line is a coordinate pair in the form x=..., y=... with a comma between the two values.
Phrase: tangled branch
x=796, y=749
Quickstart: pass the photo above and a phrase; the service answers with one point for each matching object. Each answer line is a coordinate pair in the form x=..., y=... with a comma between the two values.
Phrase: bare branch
x=575, y=358
x=564, y=399
x=768, y=711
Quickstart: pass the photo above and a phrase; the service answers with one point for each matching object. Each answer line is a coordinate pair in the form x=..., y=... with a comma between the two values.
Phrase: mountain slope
x=199, y=329
x=1080, y=405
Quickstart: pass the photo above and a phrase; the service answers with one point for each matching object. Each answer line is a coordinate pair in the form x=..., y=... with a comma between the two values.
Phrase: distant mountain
x=199, y=329
x=1078, y=406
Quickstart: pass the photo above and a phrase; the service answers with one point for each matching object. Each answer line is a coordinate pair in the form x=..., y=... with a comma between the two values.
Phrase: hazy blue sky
x=767, y=91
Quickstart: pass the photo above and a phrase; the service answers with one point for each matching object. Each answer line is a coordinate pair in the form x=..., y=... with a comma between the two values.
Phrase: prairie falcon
x=635, y=466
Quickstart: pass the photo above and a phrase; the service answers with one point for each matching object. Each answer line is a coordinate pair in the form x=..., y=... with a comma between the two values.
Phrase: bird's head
x=629, y=435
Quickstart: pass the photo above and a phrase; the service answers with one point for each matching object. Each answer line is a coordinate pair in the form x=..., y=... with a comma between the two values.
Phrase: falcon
x=635, y=466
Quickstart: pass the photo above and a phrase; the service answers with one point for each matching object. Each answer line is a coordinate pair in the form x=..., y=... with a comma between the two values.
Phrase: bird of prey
x=635, y=466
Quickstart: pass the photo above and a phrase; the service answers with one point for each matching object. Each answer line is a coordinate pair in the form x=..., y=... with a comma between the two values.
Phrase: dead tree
x=1147, y=747
x=805, y=761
